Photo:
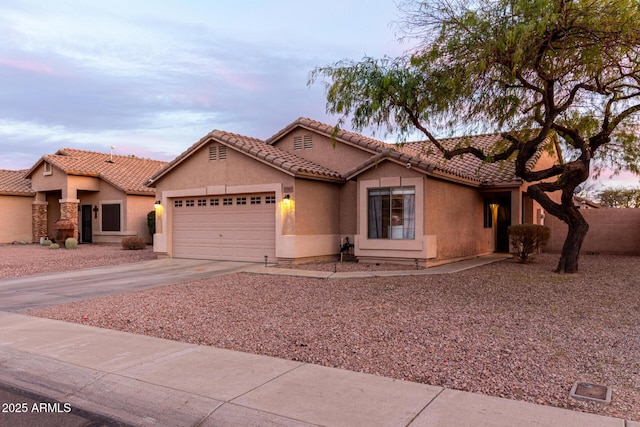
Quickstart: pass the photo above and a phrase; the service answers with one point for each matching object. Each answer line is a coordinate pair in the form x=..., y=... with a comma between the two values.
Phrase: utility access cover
x=591, y=392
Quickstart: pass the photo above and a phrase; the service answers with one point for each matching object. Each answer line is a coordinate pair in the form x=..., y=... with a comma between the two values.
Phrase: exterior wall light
x=157, y=204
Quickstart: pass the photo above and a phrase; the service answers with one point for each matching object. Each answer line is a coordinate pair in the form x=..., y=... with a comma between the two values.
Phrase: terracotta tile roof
x=14, y=183
x=419, y=155
x=469, y=166
x=128, y=174
x=276, y=156
x=422, y=155
x=362, y=141
x=261, y=151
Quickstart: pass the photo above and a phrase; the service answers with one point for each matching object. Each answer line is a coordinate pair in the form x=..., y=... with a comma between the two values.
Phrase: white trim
x=165, y=239
x=391, y=248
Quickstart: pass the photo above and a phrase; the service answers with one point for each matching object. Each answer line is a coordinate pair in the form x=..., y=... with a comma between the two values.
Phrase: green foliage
x=134, y=243
x=46, y=242
x=151, y=222
x=54, y=246
x=71, y=243
x=620, y=198
x=528, y=239
x=569, y=71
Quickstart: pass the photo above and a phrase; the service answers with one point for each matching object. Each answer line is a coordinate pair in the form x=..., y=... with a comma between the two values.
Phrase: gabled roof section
x=370, y=144
x=14, y=183
x=422, y=155
x=128, y=174
x=469, y=166
x=259, y=150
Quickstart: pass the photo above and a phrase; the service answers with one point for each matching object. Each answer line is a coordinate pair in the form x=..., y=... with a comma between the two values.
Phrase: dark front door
x=504, y=221
x=86, y=224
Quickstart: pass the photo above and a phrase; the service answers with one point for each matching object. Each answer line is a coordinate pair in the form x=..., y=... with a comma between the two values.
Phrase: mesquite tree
x=565, y=71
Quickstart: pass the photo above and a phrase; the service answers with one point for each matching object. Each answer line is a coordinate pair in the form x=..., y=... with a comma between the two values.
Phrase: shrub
x=54, y=246
x=46, y=242
x=151, y=222
x=527, y=239
x=71, y=243
x=134, y=243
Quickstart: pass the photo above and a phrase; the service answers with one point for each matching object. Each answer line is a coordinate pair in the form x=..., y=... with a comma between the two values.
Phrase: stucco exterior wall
x=349, y=210
x=197, y=171
x=137, y=209
x=15, y=217
x=336, y=156
x=317, y=207
x=389, y=174
x=454, y=215
x=611, y=231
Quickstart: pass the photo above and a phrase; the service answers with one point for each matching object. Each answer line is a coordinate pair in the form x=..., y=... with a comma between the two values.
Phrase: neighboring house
x=102, y=195
x=298, y=196
x=16, y=197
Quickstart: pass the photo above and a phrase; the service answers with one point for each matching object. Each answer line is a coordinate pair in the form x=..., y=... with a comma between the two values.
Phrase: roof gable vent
x=217, y=152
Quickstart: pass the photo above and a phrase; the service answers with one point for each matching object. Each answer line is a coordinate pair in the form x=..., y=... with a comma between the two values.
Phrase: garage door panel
x=239, y=231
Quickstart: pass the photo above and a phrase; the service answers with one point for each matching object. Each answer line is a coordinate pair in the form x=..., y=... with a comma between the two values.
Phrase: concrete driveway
x=43, y=290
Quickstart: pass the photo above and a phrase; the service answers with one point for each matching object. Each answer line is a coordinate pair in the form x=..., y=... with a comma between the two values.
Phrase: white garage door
x=230, y=227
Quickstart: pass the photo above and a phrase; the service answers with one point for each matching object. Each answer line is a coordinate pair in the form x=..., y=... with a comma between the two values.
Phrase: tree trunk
x=578, y=229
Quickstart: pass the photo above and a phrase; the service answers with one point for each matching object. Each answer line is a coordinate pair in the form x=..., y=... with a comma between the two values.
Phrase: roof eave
x=318, y=177
x=17, y=193
x=505, y=184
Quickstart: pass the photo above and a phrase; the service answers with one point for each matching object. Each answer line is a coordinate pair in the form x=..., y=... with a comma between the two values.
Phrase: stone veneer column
x=69, y=211
x=38, y=220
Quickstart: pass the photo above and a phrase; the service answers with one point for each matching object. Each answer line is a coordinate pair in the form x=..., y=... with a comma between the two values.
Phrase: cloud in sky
x=151, y=78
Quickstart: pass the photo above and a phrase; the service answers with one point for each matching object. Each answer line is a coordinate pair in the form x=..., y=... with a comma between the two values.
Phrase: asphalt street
x=20, y=408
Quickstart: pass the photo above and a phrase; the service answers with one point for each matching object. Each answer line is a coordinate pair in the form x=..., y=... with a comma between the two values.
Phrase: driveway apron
x=43, y=290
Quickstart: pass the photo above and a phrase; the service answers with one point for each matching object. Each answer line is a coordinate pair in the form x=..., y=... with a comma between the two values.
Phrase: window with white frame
x=392, y=213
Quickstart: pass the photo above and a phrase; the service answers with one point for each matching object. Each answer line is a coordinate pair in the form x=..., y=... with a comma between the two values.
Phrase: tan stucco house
x=301, y=193
x=16, y=197
x=103, y=195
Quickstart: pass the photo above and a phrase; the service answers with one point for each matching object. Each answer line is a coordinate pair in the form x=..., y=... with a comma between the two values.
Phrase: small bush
x=71, y=243
x=134, y=243
x=46, y=242
x=527, y=239
x=151, y=222
x=54, y=246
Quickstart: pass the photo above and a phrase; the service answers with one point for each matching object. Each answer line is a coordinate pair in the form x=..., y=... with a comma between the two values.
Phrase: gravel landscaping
x=505, y=329
x=21, y=260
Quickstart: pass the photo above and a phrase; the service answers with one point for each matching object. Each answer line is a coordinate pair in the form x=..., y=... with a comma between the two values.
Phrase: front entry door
x=86, y=224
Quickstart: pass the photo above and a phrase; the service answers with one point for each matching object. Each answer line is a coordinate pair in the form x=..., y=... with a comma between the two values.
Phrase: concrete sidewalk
x=146, y=381
x=449, y=268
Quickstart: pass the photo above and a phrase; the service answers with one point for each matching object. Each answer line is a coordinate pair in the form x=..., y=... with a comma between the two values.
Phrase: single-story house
x=16, y=197
x=303, y=192
x=103, y=195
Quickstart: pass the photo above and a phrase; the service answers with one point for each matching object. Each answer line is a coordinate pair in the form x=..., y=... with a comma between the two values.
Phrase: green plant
x=54, y=246
x=151, y=222
x=46, y=242
x=71, y=243
x=134, y=243
x=527, y=239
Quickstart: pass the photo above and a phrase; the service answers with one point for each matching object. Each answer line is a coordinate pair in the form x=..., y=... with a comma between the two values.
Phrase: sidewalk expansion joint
x=267, y=382
x=425, y=407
